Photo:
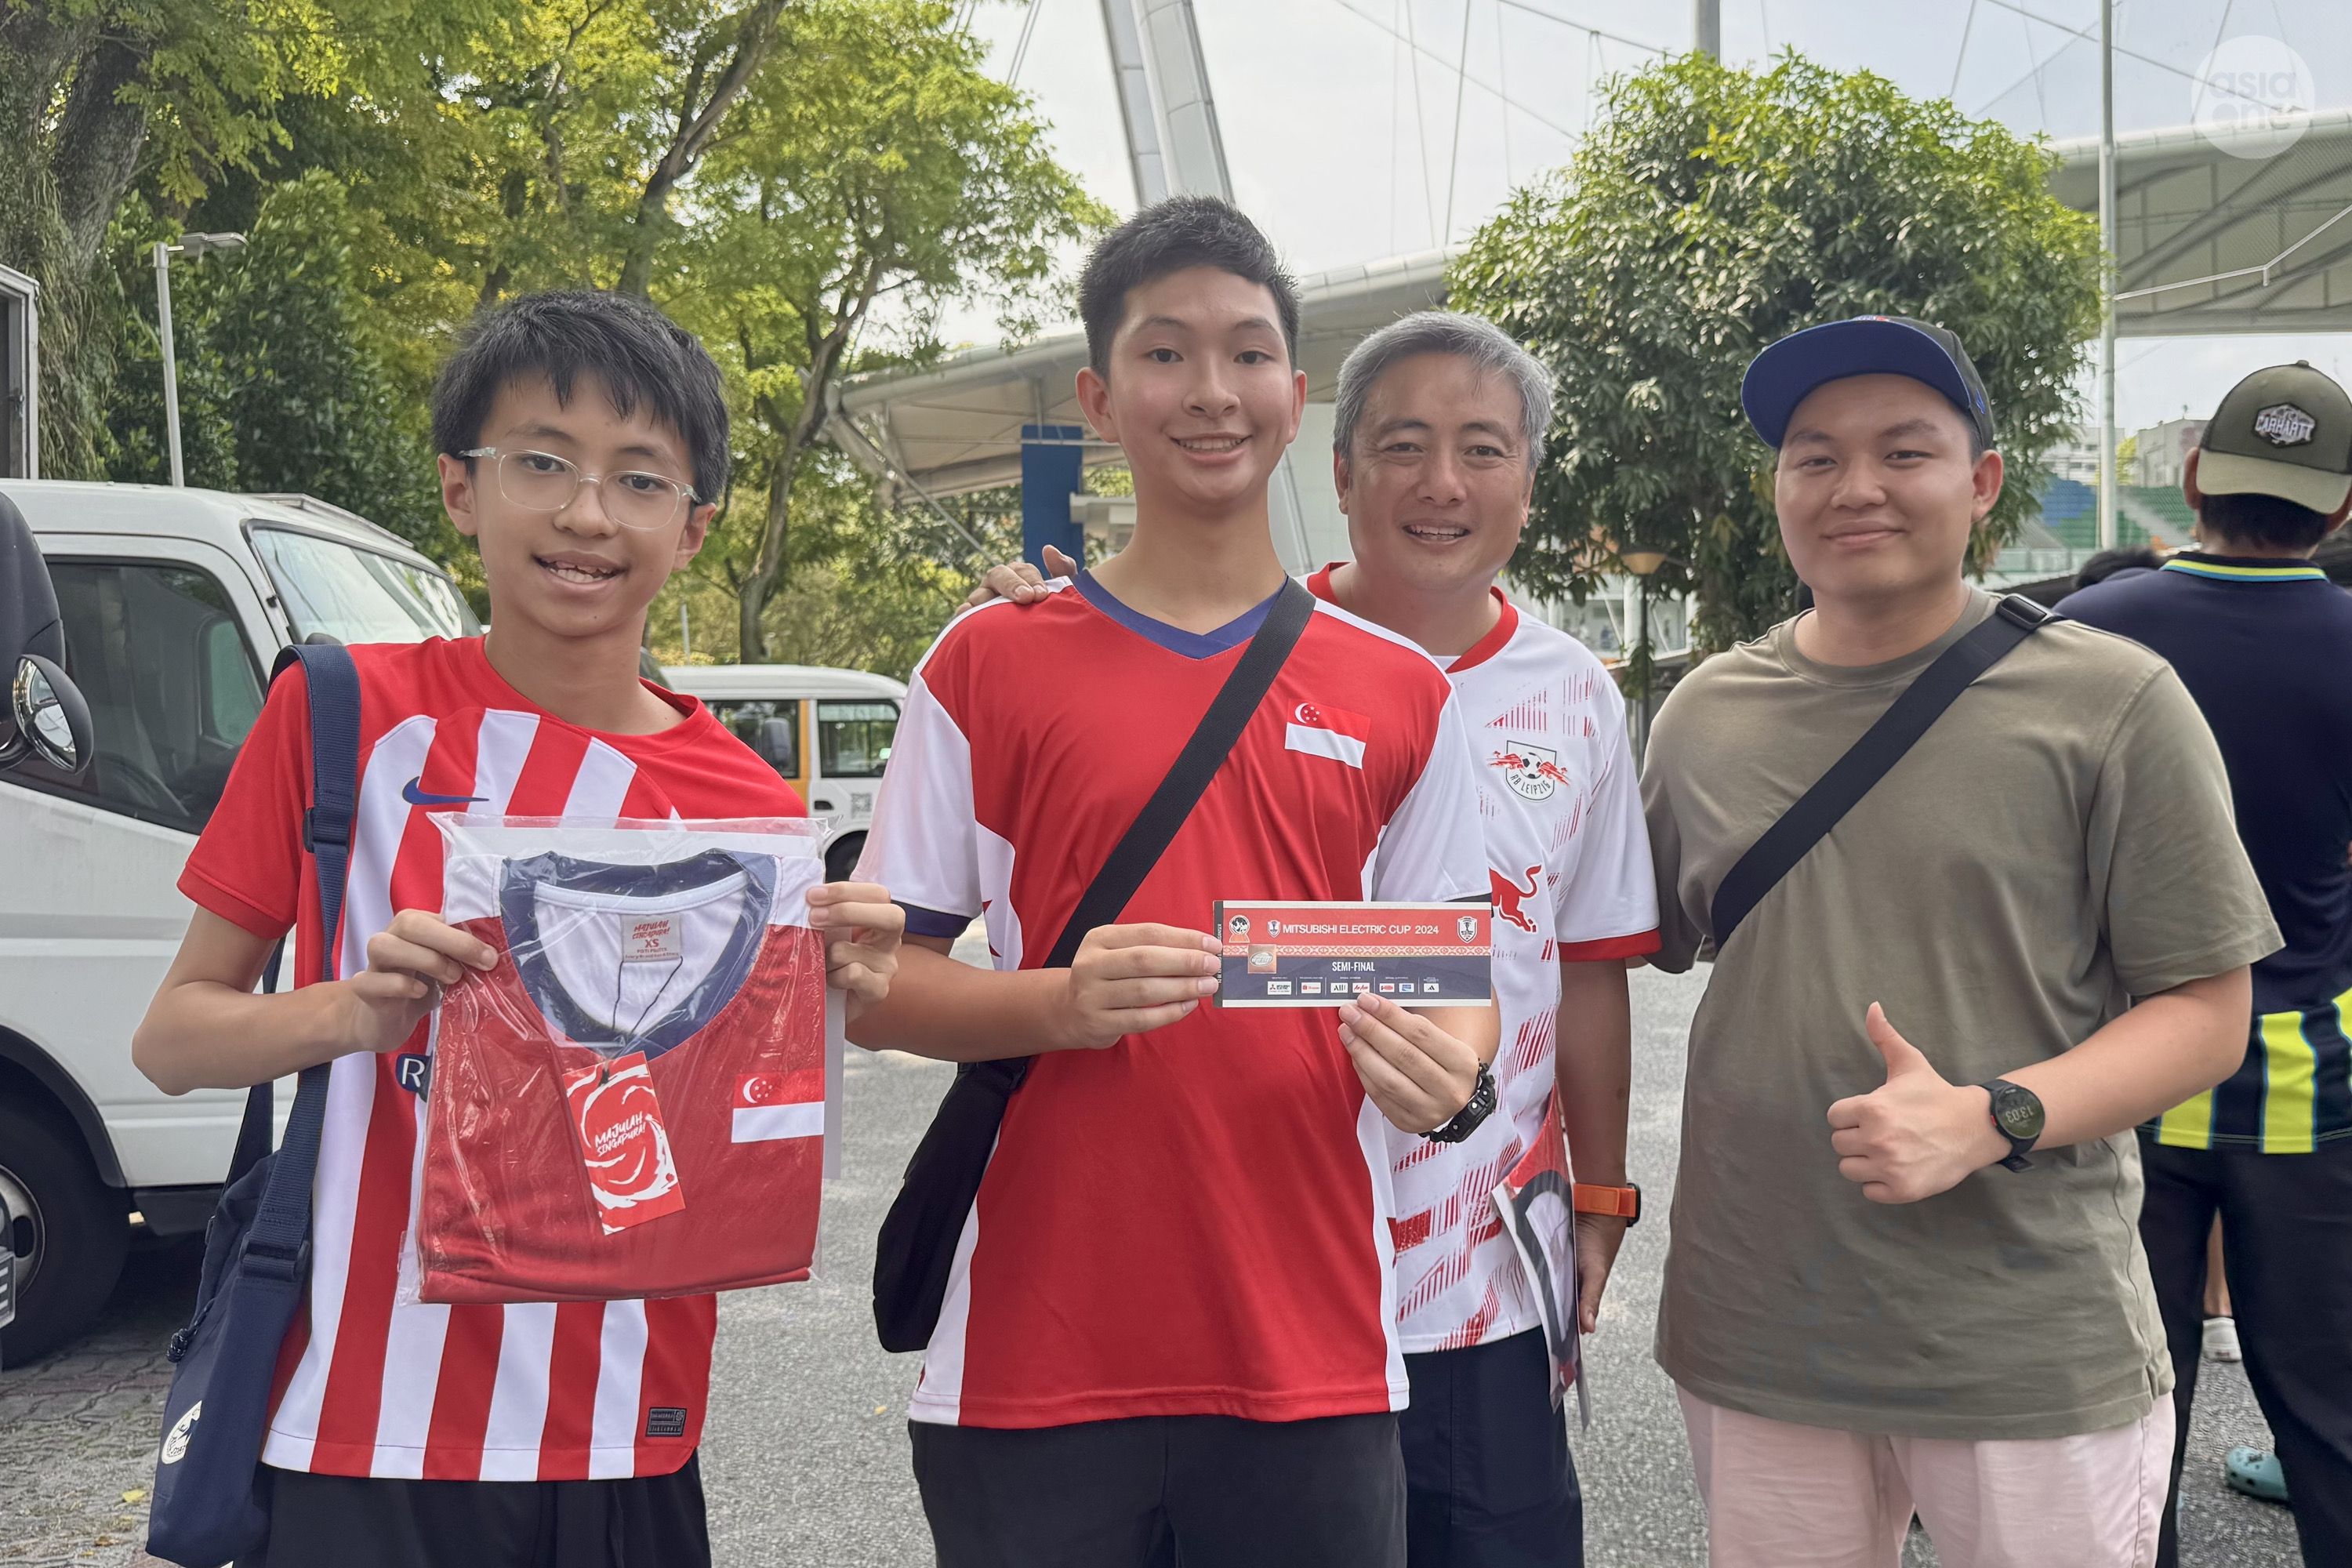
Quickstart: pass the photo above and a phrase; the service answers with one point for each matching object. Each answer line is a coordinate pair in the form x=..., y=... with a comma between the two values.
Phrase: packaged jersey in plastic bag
x=630, y=1103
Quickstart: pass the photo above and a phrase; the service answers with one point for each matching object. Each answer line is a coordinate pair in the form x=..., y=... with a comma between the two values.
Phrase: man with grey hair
x=1438, y=428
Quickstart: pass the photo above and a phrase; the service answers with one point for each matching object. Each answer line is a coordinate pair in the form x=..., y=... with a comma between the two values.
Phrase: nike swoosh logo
x=415, y=796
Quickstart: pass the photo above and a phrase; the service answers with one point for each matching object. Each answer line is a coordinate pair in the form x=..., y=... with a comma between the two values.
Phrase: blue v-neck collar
x=1176, y=640
x=519, y=913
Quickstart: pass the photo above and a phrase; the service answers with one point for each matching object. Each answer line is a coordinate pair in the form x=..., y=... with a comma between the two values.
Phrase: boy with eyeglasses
x=580, y=436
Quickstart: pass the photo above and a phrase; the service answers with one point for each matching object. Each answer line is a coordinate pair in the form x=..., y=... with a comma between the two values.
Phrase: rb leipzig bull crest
x=1530, y=770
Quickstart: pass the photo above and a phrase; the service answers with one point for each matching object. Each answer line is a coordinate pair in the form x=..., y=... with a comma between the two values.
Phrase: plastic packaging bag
x=631, y=1103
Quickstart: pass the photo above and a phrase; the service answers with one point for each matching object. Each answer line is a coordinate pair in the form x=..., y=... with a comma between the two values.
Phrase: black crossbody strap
x=1868, y=760
x=914, y=1252
x=281, y=1225
x=1155, y=827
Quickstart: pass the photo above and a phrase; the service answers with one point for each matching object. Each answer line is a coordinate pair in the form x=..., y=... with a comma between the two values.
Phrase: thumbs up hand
x=1915, y=1135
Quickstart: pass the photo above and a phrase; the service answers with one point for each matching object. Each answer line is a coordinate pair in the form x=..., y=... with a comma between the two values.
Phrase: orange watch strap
x=1626, y=1203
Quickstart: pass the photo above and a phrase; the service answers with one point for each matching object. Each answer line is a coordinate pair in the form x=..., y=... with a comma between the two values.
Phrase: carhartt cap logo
x=2284, y=425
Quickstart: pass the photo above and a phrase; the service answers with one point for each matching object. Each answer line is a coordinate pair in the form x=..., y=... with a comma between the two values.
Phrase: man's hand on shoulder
x=1915, y=1135
x=1128, y=979
x=1020, y=582
x=409, y=962
x=863, y=933
x=1419, y=1076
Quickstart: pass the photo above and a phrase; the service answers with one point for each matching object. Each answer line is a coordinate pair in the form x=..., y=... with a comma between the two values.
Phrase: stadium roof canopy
x=2209, y=240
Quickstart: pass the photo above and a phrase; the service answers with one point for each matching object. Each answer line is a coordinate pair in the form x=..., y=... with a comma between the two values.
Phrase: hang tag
x=623, y=1143
x=653, y=939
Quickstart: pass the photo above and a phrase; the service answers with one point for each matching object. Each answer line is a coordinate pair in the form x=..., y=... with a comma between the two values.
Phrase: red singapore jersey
x=633, y=1102
x=368, y=1386
x=1194, y=1221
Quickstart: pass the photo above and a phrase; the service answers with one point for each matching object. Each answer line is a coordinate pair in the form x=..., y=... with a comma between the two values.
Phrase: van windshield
x=359, y=596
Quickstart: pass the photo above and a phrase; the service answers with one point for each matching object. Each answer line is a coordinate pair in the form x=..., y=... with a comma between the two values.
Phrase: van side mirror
x=52, y=720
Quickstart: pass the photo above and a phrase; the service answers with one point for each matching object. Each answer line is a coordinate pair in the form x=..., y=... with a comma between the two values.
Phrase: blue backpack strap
x=281, y=1225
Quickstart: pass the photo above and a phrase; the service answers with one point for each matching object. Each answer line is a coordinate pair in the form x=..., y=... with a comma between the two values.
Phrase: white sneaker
x=2221, y=1340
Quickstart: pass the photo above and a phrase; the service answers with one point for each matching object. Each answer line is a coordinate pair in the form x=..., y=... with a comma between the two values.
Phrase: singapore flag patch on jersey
x=769, y=1105
x=1325, y=732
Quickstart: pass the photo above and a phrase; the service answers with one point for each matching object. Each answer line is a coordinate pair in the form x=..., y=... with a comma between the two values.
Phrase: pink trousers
x=1783, y=1496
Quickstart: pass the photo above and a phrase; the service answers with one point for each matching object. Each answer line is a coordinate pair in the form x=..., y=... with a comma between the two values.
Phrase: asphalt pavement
x=807, y=1457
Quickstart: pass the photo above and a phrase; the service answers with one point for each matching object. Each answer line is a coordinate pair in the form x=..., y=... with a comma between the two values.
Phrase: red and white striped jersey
x=368, y=1386
x=1569, y=865
x=1194, y=1221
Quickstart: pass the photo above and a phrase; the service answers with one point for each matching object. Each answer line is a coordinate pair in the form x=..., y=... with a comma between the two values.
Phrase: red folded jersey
x=630, y=1103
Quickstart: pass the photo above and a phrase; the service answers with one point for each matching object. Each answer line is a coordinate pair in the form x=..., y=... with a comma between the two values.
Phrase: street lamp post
x=1642, y=564
x=2108, y=477
x=190, y=246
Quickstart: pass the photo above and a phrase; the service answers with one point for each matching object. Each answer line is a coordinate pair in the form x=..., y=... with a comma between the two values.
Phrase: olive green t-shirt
x=2057, y=844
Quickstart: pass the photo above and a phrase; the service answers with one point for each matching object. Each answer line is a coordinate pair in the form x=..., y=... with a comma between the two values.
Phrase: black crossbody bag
x=1868, y=760
x=916, y=1249
x=212, y=1497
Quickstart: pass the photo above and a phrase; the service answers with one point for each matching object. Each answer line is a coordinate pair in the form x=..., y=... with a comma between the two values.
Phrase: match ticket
x=1292, y=954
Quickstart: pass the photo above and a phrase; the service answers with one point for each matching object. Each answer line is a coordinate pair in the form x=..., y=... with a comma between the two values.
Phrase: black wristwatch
x=1467, y=1120
x=2016, y=1116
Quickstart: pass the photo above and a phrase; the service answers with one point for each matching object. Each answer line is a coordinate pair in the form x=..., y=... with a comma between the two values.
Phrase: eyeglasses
x=542, y=481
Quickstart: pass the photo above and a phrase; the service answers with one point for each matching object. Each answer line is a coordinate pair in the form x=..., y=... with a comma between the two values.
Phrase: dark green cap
x=2286, y=432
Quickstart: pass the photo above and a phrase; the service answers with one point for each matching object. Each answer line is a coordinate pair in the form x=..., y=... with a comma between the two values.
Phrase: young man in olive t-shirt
x=1865, y=1313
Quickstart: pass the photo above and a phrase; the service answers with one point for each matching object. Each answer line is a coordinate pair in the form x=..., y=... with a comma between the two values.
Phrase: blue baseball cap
x=1785, y=374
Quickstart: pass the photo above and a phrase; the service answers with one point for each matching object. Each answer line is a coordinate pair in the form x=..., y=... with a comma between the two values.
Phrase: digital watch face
x=2018, y=1111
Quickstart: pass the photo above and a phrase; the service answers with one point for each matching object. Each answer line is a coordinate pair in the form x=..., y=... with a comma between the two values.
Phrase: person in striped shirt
x=580, y=434
x=2261, y=638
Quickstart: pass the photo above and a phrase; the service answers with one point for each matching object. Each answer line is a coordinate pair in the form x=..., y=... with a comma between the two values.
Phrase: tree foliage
x=101, y=100
x=807, y=185
x=338, y=420
x=874, y=161
x=1714, y=210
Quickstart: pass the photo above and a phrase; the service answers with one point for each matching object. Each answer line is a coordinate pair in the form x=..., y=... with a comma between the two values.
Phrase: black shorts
x=1214, y=1490
x=1490, y=1483
x=357, y=1522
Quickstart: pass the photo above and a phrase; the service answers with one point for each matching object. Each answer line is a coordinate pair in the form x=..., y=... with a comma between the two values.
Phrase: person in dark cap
x=2263, y=641
x=1903, y=1272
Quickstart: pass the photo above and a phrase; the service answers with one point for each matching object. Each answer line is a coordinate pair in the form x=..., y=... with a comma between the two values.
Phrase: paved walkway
x=807, y=1463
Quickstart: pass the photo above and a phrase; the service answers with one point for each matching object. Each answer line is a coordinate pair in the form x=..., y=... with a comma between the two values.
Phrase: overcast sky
x=1345, y=151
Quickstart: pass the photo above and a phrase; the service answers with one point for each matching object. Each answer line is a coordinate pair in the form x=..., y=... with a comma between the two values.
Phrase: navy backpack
x=210, y=1501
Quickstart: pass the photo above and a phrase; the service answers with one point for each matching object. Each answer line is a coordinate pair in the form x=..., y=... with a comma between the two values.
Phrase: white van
x=827, y=732
x=176, y=604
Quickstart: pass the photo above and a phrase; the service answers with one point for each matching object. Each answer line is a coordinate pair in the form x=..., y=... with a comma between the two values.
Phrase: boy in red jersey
x=1170, y=1323
x=580, y=434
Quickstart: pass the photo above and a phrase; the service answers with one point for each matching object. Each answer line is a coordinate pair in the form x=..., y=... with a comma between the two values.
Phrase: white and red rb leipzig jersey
x=1568, y=866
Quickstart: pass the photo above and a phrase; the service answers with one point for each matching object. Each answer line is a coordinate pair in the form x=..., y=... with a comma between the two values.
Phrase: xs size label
x=652, y=939
x=1292, y=954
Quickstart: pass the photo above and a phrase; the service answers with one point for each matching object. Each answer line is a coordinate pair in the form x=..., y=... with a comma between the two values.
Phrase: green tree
x=870, y=586
x=1714, y=210
x=288, y=379
x=102, y=99
x=872, y=160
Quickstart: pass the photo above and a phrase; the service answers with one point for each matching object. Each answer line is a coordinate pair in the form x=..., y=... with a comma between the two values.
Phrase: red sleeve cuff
x=1635, y=945
x=208, y=894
